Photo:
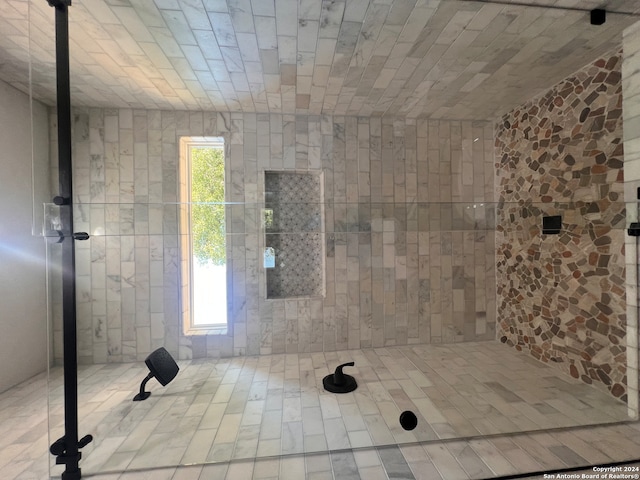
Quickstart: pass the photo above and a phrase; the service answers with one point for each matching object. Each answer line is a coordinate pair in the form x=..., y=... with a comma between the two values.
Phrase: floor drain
x=408, y=420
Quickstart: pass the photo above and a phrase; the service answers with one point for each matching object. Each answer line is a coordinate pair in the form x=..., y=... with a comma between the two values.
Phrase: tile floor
x=265, y=417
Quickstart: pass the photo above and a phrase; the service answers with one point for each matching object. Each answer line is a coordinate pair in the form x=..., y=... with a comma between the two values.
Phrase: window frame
x=185, y=242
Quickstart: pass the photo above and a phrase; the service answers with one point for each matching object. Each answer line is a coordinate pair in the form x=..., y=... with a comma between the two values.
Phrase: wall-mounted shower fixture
x=551, y=225
x=162, y=366
x=598, y=16
x=634, y=228
x=339, y=382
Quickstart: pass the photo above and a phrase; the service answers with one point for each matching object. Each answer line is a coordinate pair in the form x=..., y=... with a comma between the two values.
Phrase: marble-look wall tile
x=401, y=265
x=562, y=298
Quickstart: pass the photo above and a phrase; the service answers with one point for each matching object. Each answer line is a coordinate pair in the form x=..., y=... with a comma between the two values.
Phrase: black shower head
x=162, y=366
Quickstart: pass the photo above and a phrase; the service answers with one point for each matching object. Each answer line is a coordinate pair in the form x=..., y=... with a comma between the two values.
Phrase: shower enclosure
x=402, y=231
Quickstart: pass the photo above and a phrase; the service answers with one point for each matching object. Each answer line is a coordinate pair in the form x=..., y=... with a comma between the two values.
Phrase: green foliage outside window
x=207, y=210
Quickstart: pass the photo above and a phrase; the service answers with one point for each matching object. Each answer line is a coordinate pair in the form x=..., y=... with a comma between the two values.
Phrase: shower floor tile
x=247, y=407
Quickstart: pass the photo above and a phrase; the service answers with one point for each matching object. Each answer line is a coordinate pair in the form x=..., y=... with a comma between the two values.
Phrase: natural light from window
x=203, y=233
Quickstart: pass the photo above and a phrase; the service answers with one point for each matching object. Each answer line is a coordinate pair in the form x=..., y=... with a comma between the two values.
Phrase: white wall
x=23, y=314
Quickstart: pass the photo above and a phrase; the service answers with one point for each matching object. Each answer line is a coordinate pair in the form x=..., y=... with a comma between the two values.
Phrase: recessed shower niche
x=293, y=251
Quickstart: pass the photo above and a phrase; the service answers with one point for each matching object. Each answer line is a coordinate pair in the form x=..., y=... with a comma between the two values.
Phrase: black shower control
x=551, y=225
x=634, y=229
x=598, y=16
x=340, y=382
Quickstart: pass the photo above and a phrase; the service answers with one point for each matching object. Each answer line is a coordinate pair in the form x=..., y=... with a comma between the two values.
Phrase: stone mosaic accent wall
x=562, y=297
x=402, y=265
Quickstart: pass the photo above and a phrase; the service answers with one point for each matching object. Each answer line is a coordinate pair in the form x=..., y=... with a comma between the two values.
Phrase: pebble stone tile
x=562, y=297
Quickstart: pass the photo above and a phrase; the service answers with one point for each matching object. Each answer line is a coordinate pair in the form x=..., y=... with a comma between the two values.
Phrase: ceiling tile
x=417, y=58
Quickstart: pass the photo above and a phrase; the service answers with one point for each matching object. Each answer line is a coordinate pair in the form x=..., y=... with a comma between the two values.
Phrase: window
x=203, y=252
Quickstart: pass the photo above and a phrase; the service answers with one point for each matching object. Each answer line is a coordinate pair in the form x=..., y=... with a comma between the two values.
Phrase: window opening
x=203, y=234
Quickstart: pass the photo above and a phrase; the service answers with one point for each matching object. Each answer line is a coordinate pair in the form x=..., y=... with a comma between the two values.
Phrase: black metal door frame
x=67, y=448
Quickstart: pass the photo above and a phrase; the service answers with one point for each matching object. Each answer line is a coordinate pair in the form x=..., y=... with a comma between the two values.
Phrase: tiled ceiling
x=438, y=58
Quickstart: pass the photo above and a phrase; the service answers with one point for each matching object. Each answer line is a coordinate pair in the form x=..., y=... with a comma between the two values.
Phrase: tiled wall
x=404, y=265
x=562, y=297
x=631, y=116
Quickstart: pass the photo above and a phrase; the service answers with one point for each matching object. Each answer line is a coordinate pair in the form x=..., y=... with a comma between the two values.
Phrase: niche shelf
x=294, y=234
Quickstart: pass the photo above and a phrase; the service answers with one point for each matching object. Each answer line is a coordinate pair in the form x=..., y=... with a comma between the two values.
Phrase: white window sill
x=207, y=330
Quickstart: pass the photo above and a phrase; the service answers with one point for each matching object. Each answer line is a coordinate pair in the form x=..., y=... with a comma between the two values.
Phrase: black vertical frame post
x=67, y=448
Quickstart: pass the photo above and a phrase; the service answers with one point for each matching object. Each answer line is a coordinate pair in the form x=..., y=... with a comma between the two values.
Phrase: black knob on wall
x=551, y=225
x=598, y=16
